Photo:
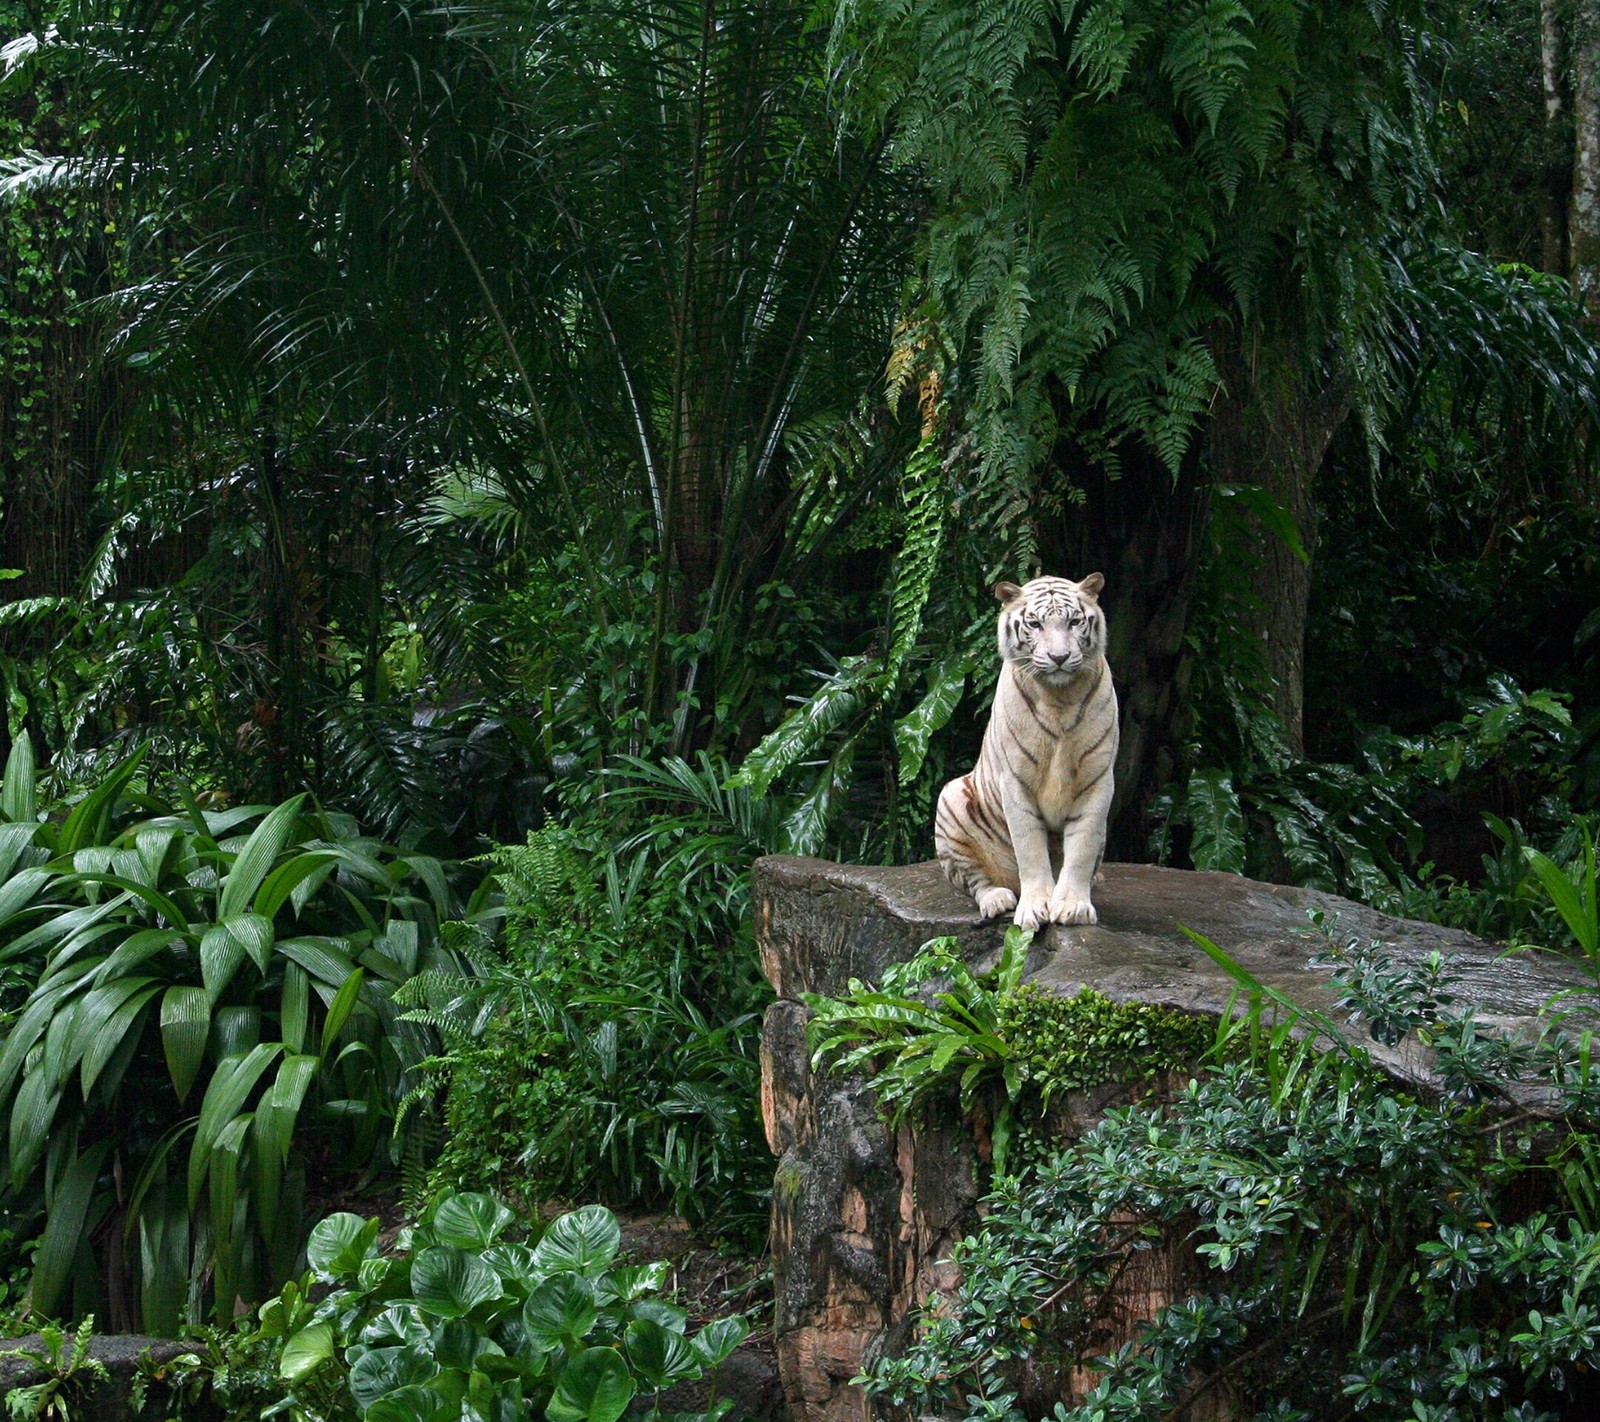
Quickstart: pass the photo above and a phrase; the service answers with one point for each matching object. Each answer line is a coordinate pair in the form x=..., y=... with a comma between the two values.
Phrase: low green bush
x=1352, y=1249
x=1003, y=1046
x=208, y=1013
x=608, y=1049
x=460, y=1324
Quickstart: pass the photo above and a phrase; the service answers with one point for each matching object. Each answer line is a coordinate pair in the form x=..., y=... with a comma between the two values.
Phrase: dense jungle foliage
x=473, y=477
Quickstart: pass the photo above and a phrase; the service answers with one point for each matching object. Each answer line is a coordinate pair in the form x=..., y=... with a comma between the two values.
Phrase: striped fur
x=1026, y=829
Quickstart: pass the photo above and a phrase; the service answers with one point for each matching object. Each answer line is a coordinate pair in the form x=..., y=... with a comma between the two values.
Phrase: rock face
x=864, y=1218
x=88, y=1397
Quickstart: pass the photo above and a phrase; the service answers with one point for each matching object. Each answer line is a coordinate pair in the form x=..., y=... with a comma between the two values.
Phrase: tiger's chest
x=1057, y=783
x=1057, y=748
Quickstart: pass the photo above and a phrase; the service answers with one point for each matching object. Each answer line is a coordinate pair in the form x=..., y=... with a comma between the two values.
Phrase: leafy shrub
x=209, y=1012
x=1356, y=830
x=1348, y=1240
x=609, y=1050
x=1575, y=895
x=935, y=1023
x=461, y=1324
x=1073, y=1043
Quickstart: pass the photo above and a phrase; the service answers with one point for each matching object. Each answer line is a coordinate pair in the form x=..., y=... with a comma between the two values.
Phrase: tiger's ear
x=1007, y=592
x=1090, y=586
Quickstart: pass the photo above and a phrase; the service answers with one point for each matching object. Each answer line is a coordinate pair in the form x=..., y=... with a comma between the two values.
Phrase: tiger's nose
x=1060, y=659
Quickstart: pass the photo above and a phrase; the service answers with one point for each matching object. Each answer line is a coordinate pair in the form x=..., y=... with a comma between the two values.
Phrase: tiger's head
x=1051, y=627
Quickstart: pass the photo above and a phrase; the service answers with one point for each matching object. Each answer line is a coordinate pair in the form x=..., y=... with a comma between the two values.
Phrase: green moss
x=786, y=1181
x=1071, y=1043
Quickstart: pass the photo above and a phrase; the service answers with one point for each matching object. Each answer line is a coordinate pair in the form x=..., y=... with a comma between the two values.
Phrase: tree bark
x=1583, y=221
x=1270, y=427
x=1144, y=531
x=1557, y=180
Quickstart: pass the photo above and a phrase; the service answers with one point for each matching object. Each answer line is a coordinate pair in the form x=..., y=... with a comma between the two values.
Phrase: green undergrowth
x=1007, y=1048
x=1086, y=1040
x=606, y=1049
x=1327, y=1243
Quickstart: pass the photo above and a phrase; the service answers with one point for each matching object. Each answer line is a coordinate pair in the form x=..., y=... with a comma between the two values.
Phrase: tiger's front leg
x=1083, y=843
x=1030, y=841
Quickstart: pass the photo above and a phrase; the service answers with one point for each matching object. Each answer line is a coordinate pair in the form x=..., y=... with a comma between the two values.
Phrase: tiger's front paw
x=994, y=902
x=1070, y=908
x=1033, y=911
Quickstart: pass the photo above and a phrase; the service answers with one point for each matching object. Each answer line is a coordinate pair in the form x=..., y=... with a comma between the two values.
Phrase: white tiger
x=1027, y=828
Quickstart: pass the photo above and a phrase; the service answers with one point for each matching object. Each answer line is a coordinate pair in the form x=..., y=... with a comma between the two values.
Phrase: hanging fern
x=1120, y=183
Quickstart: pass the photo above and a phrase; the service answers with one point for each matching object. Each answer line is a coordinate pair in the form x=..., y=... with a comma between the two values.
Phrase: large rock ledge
x=864, y=1218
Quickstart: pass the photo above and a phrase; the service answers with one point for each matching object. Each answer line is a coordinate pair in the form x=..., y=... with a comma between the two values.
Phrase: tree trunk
x=1143, y=530
x=1557, y=179
x=1583, y=222
x=1271, y=428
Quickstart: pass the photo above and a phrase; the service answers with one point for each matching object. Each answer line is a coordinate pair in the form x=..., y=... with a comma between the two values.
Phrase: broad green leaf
x=514, y=1263
x=87, y=820
x=151, y=898
x=399, y=945
x=276, y=1116
x=18, y=802
x=584, y=1241
x=225, y=1216
x=805, y=827
x=68, y=934
x=431, y=872
x=217, y=823
x=634, y=1280
x=105, y=1039
x=594, y=1387
x=307, y=1351
x=185, y=1026
x=154, y=843
x=807, y=726
x=17, y=847
x=283, y=1100
x=254, y=930
x=324, y=958
x=254, y=861
x=136, y=949
x=226, y=944
x=1217, y=822
x=658, y=1355
x=26, y=1030
x=163, y=1261
x=397, y=1326
x=559, y=1311
x=339, y=1010
x=32, y=1114
x=280, y=885
x=470, y=1221
x=450, y=1283
x=916, y=728
x=80, y=1021
x=229, y=1088
x=719, y=1338
x=458, y=1344
x=294, y=1007
x=385, y=1370
x=65, y=1217
x=1580, y=916
x=234, y=1030
x=338, y=1245
x=377, y=961
x=417, y=1403
x=1307, y=855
